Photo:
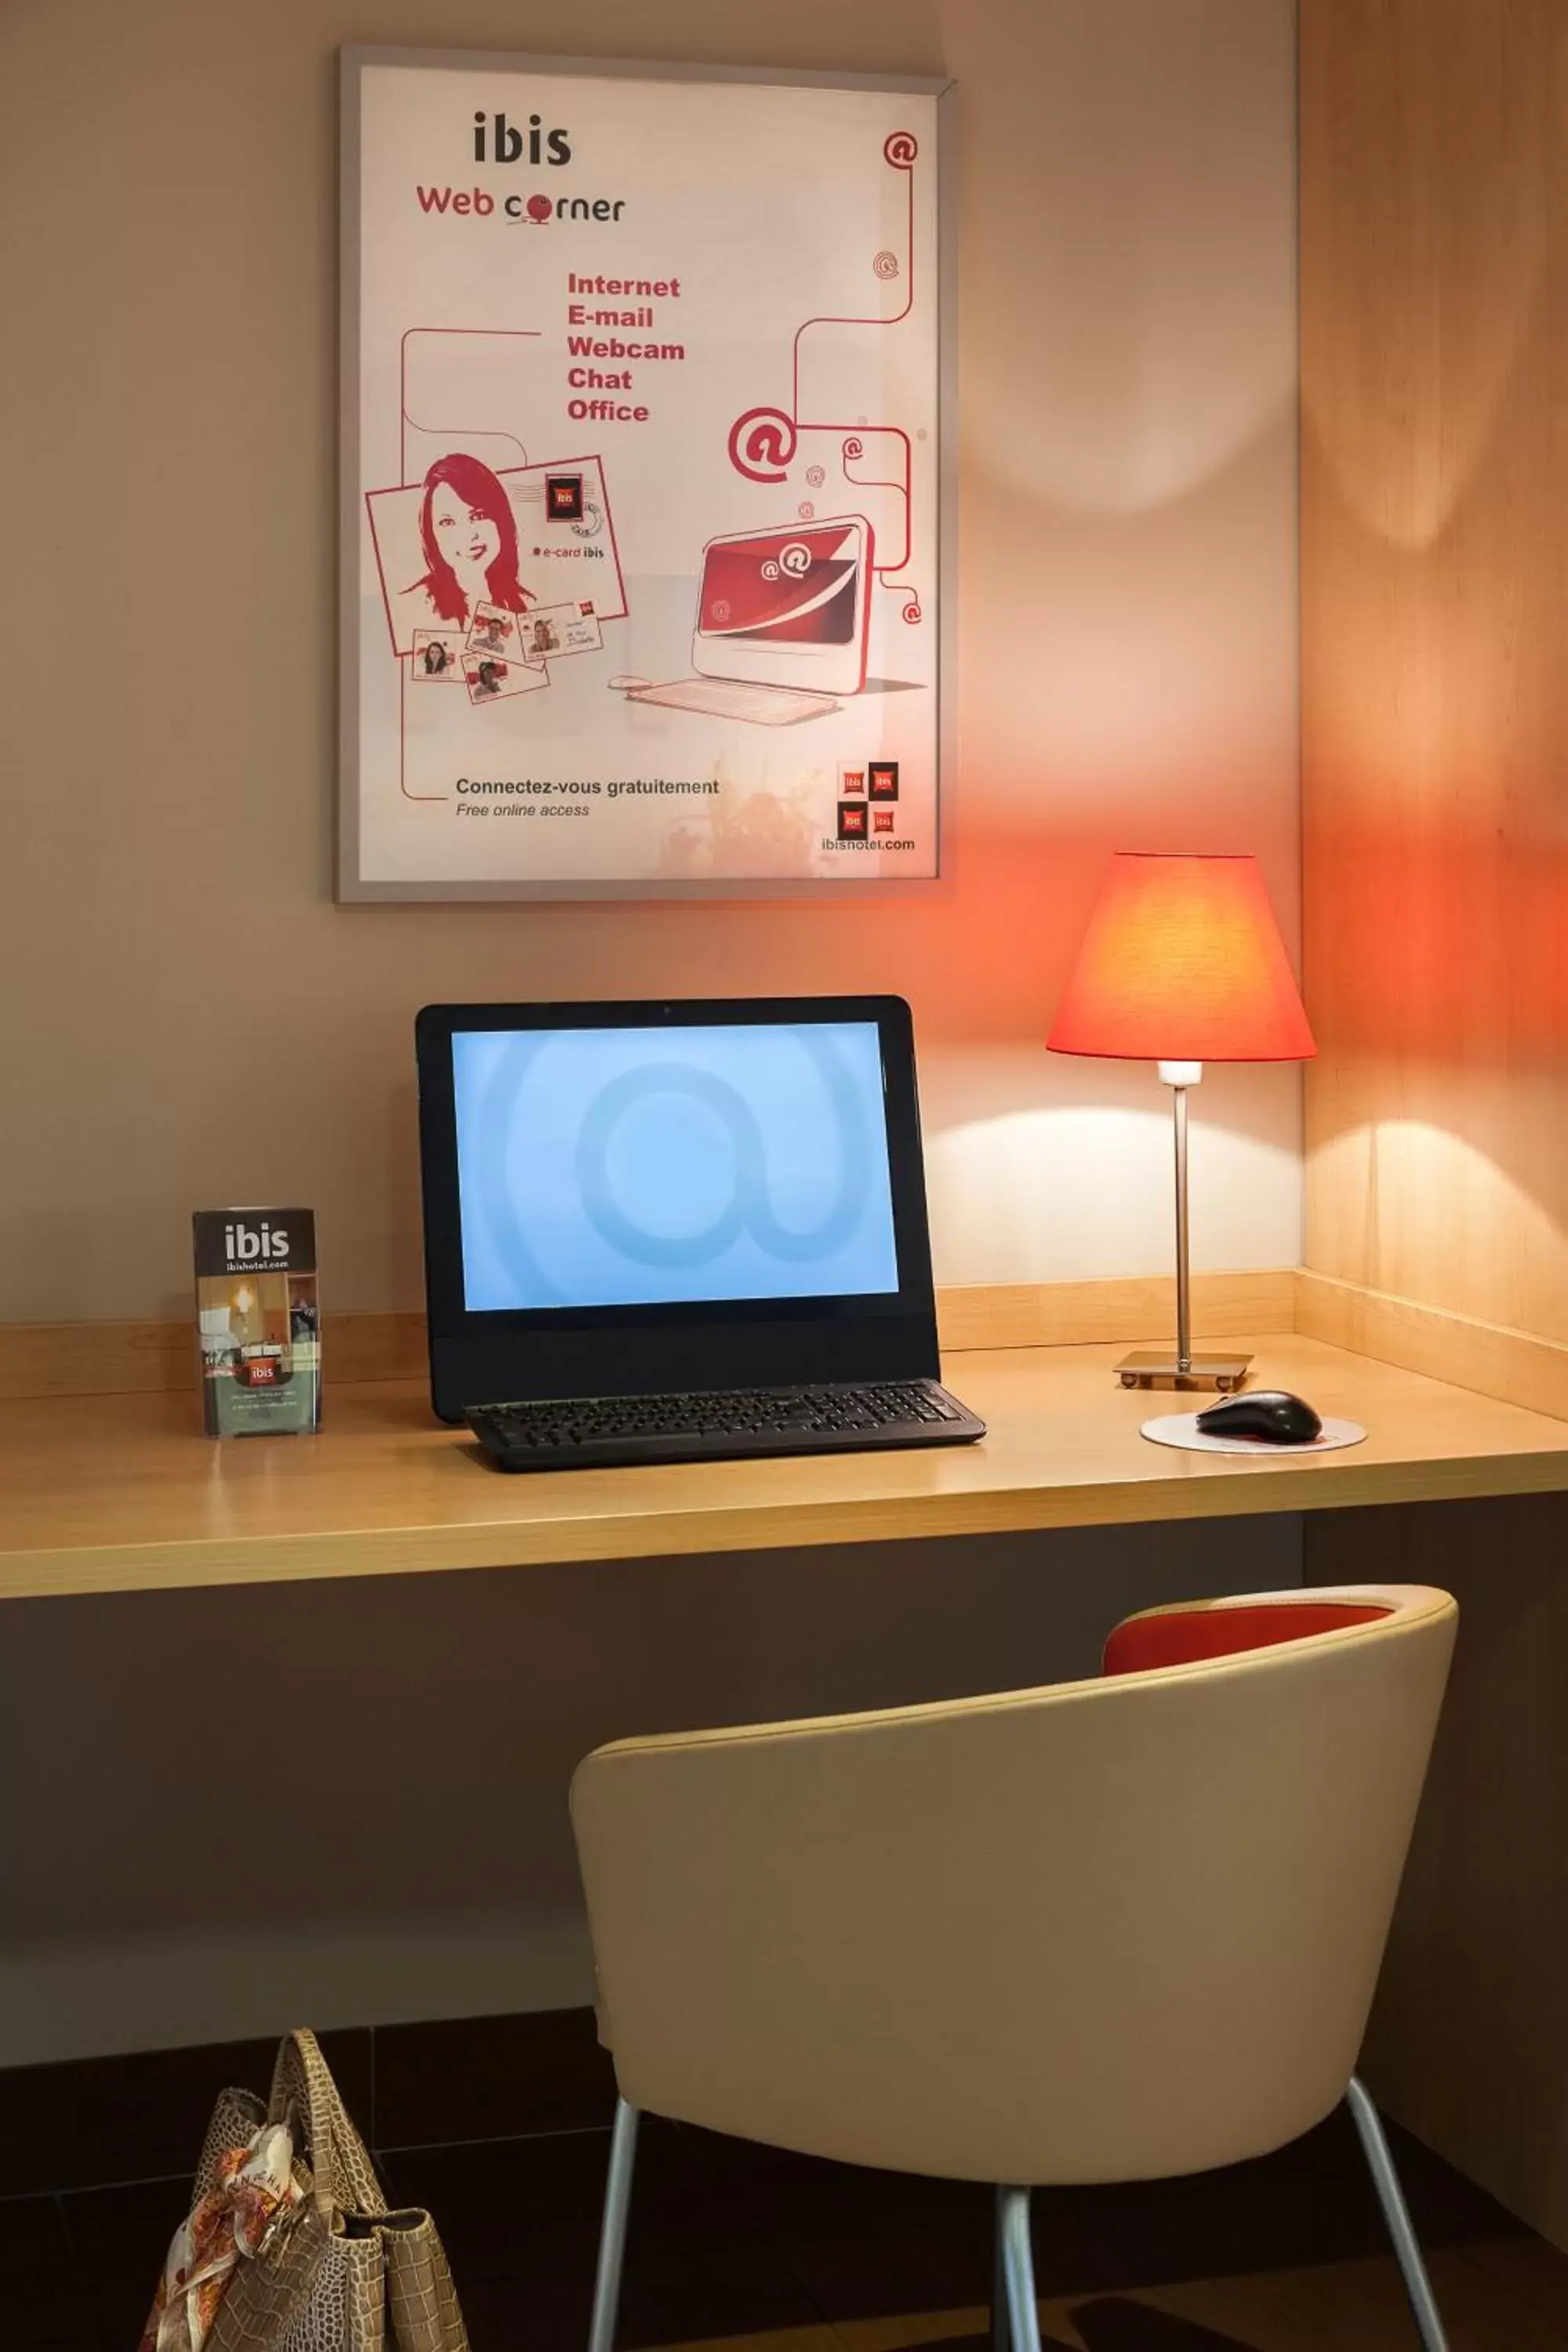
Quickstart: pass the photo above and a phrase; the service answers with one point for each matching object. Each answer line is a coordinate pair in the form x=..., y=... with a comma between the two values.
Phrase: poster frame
x=352, y=888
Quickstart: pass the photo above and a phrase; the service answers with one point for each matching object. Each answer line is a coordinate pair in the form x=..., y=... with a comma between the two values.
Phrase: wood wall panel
x=1434, y=649
x=1519, y=1366
x=151, y=1358
x=1434, y=211
x=139, y=1358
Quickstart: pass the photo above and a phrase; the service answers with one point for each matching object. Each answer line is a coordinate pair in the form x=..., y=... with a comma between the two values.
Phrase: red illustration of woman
x=468, y=533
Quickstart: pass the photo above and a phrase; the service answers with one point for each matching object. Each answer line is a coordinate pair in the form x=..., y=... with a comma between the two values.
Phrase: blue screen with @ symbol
x=658, y=1167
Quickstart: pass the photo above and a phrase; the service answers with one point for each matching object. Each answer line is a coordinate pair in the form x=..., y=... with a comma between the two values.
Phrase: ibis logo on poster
x=507, y=142
x=499, y=141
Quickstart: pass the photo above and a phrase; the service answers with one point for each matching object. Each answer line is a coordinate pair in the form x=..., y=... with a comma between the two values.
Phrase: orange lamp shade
x=1183, y=961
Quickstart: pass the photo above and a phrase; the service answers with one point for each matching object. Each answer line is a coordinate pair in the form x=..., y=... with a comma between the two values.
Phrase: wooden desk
x=125, y=1493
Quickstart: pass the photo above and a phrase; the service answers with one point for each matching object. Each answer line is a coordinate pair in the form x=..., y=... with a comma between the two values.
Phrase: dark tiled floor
x=94, y=2120
x=733, y=2244
x=36, y=2261
x=1116, y=2323
x=118, y=2237
x=490, y=2078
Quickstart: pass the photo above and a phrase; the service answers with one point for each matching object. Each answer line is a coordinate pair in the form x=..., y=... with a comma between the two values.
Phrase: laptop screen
x=651, y=1167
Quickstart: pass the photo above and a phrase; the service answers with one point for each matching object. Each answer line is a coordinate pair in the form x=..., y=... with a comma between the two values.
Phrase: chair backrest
x=1107, y=1930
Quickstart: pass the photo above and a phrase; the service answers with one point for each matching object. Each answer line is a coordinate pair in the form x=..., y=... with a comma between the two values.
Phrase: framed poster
x=646, y=516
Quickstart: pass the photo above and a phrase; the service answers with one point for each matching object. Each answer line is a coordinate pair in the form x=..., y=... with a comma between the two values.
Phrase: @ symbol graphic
x=750, y=1209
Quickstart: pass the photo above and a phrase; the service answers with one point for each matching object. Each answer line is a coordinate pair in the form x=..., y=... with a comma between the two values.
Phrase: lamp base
x=1156, y=1368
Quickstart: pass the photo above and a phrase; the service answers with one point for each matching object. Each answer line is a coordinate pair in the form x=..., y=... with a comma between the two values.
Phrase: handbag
x=333, y=2269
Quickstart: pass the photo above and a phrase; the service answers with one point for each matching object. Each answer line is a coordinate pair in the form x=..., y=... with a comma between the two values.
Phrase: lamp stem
x=1179, y=1076
x=1183, y=1279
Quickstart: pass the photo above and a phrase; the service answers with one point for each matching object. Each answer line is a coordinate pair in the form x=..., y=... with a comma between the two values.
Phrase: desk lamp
x=1182, y=964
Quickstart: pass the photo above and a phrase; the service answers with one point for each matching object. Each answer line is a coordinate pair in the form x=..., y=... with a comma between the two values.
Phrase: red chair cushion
x=1177, y=1637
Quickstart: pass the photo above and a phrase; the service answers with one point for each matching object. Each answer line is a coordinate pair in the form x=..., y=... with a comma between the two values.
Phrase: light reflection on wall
x=1078, y=1184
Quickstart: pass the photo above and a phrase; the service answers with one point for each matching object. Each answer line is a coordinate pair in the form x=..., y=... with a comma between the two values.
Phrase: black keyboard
x=600, y=1432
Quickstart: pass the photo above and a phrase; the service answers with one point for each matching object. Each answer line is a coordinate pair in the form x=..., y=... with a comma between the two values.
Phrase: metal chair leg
x=1396, y=2213
x=613, y=2229
x=1013, y=2208
x=1001, y=2331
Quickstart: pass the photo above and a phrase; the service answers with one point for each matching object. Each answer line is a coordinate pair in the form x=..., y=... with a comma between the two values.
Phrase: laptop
x=678, y=1231
x=782, y=625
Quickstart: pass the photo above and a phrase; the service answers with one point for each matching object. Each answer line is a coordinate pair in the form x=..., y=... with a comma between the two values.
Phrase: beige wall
x=186, y=1019
x=1127, y=644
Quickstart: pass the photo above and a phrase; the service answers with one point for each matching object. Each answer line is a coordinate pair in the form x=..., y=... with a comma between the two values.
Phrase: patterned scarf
x=256, y=2190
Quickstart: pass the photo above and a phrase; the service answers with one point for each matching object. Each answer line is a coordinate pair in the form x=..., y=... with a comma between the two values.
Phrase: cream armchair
x=1105, y=1931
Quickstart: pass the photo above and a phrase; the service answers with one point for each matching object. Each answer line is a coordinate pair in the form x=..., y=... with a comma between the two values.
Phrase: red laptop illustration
x=782, y=623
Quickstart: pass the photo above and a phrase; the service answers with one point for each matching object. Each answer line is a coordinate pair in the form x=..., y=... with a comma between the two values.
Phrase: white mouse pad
x=1182, y=1429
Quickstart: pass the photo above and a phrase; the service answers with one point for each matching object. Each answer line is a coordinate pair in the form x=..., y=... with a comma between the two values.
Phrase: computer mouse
x=627, y=685
x=1272, y=1414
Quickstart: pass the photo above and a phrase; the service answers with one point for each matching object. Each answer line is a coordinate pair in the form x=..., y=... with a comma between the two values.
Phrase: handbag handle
x=342, y=2176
